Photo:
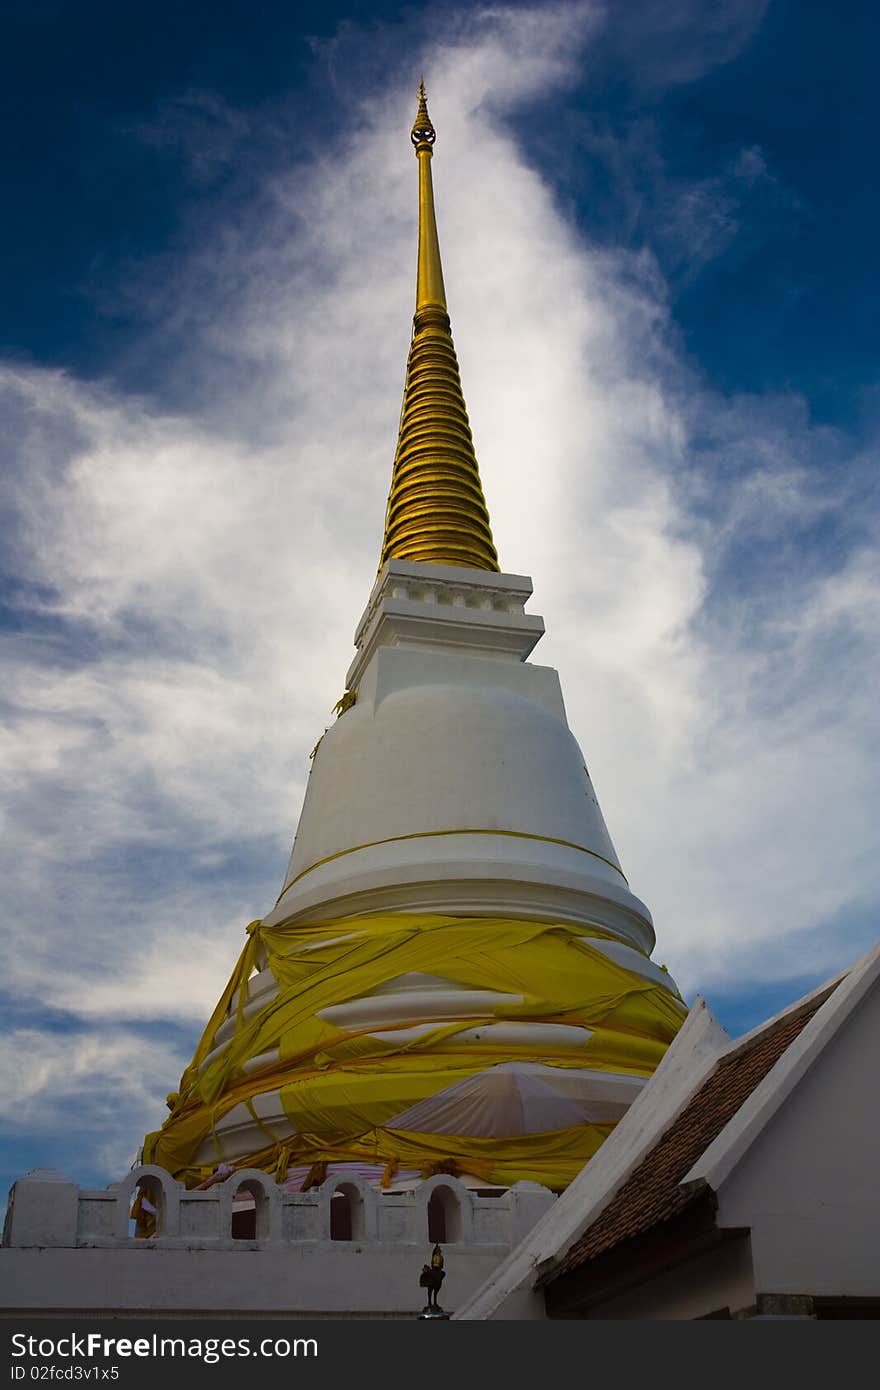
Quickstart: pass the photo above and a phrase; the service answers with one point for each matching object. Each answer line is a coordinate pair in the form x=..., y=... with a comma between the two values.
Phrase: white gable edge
x=718, y=1161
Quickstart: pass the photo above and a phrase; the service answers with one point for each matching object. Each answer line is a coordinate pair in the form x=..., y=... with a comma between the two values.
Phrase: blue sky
x=657, y=223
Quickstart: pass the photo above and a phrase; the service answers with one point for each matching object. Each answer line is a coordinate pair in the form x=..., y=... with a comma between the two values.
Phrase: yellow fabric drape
x=341, y=1087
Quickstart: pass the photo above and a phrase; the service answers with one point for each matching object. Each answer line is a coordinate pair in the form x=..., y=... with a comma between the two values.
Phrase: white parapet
x=66, y=1248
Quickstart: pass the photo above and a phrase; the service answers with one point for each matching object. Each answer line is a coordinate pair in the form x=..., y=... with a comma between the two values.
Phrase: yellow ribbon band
x=432, y=834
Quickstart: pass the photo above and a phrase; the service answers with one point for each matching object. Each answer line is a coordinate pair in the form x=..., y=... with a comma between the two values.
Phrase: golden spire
x=436, y=511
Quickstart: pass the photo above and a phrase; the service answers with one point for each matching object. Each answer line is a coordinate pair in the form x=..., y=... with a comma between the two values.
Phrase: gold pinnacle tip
x=436, y=510
x=423, y=133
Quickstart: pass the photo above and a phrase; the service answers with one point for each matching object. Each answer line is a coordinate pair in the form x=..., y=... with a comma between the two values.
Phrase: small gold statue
x=431, y=1278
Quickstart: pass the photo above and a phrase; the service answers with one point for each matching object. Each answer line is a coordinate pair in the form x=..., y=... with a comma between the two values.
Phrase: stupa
x=456, y=976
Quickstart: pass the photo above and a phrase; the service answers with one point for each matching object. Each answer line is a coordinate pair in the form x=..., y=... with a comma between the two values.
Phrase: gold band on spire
x=436, y=510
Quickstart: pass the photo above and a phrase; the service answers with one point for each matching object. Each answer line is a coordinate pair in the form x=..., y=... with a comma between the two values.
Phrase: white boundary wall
x=68, y=1249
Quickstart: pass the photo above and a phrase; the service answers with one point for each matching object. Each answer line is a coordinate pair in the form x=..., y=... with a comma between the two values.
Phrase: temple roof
x=656, y=1191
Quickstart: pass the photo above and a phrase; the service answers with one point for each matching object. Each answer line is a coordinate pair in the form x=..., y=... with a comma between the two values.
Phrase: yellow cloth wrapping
x=340, y=1088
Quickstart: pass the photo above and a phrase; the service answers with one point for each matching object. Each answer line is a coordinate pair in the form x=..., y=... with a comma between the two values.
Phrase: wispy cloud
x=82, y=1096
x=185, y=582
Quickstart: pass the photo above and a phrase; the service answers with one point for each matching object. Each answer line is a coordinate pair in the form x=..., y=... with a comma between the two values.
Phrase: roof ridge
x=833, y=1005
x=808, y=1003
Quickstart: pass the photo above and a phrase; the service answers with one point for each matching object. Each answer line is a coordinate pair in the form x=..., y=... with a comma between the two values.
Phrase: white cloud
x=92, y=1089
x=193, y=581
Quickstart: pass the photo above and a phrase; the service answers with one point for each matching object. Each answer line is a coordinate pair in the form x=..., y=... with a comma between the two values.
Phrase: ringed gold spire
x=436, y=510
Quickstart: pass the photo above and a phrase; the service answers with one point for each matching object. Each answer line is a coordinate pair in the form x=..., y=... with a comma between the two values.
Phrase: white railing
x=47, y=1211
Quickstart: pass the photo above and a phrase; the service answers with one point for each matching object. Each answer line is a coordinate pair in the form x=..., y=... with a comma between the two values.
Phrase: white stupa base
x=480, y=875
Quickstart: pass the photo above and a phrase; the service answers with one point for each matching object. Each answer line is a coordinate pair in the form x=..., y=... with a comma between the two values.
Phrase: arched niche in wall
x=251, y=1199
x=346, y=1213
x=444, y=1216
x=146, y=1203
x=147, y=1208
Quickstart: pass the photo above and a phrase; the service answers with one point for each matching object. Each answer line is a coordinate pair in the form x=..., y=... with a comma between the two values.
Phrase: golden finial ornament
x=436, y=510
x=422, y=132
